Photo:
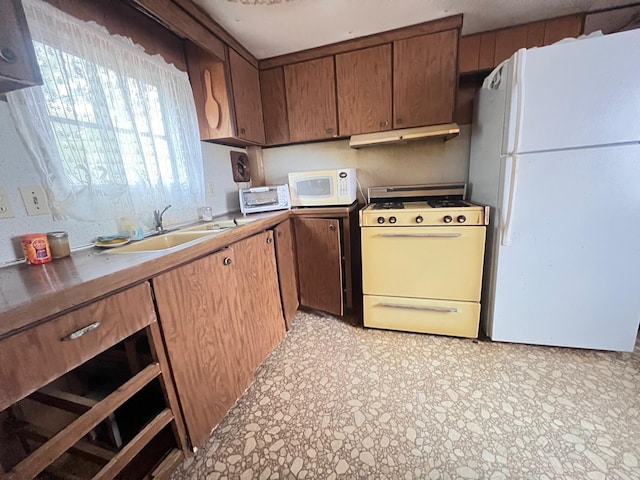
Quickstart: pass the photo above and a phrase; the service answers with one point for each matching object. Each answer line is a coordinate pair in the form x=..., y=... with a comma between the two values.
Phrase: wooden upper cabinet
x=207, y=75
x=18, y=66
x=425, y=74
x=245, y=80
x=274, y=106
x=364, y=86
x=311, y=99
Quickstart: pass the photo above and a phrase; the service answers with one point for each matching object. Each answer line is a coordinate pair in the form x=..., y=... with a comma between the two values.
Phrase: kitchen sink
x=162, y=242
x=217, y=226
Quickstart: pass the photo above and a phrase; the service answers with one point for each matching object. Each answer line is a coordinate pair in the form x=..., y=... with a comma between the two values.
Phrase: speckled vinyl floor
x=338, y=401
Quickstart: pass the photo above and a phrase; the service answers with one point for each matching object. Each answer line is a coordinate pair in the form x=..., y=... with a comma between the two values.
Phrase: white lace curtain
x=113, y=130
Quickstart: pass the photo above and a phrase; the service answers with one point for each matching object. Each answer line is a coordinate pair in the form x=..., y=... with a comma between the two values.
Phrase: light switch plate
x=5, y=206
x=35, y=200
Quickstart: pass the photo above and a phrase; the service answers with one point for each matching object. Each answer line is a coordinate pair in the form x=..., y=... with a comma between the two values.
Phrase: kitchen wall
x=424, y=161
x=16, y=169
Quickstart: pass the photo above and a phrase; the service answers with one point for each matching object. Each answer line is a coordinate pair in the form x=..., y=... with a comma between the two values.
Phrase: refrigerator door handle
x=519, y=84
x=509, y=196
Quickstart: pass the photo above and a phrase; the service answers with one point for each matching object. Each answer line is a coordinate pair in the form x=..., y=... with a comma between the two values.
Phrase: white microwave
x=323, y=187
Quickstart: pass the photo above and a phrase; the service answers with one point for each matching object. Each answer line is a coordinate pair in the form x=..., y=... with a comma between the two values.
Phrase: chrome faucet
x=157, y=219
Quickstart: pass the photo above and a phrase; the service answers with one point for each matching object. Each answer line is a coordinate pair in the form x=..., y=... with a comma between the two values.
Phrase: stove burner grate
x=388, y=206
x=445, y=203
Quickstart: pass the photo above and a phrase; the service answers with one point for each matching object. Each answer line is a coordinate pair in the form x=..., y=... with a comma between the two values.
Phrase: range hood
x=445, y=131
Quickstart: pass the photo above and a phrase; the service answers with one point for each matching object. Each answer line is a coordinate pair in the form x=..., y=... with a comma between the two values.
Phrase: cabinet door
x=286, y=258
x=260, y=319
x=246, y=98
x=209, y=84
x=198, y=305
x=469, y=53
x=425, y=73
x=274, y=106
x=363, y=80
x=320, y=264
x=311, y=99
x=18, y=66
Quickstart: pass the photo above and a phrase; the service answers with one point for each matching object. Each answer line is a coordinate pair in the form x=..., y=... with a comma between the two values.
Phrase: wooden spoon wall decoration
x=211, y=107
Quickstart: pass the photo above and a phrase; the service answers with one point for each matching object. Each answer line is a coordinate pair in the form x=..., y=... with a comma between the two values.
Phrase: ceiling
x=268, y=28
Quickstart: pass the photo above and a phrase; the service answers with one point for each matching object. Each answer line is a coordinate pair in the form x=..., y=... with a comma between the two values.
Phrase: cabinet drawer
x=441, y=317
x=35, y=357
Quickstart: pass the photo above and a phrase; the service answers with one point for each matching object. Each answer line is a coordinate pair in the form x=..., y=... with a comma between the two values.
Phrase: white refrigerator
x=555, y=151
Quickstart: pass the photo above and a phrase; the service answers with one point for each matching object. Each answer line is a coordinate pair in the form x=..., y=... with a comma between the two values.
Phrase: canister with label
x=36, y=248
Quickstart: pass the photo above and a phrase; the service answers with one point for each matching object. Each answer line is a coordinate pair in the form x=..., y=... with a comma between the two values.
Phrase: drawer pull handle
x=81, y=332
x=226, y=261
x=421, y=235
x=421, y=307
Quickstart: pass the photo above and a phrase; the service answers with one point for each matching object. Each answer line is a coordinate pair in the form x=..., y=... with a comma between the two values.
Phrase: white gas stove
x=422, y=257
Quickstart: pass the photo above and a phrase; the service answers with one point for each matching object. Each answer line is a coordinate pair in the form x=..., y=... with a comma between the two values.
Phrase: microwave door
x=318, y=187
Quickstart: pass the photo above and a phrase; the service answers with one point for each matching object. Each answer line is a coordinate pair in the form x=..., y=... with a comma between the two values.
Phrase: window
x=113, y=130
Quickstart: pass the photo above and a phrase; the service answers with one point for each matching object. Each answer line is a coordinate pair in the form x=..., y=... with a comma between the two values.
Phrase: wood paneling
x=311, y=99
x=274, y=106
x=35, y=357
x=364, y=86
x=469, y=53
x=535, y=34
x=320, y=264
x=200, y=61
x=168, y=13
x=246, y=98
x=197, y=304
x=260, y=316
x=287, y=272
x=487, y=53
x=121, y=18
x=14, y=36
x=508, y=41
x=467, y=89
x=448, y=23
x=425, y=75
x=558, y=28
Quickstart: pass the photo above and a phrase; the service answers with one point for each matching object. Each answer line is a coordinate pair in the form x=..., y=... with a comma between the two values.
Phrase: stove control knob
x=461, y=219
x=419, y=219
x=380, y=219
x=447, y=219
x=393, y=219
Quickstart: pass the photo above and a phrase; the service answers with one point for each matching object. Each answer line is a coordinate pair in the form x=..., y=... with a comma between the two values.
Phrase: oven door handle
x=421, y=307
x=421, y=235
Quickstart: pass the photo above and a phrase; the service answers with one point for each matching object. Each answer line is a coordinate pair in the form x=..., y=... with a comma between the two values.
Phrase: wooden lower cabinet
x=327, y=241
x=287, y=269
x=89, y=395
x=221, y=316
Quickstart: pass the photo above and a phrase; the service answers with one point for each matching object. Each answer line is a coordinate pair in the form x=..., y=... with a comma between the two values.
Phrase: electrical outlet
x=35, y=200
x=211, y=189
x=5, y=206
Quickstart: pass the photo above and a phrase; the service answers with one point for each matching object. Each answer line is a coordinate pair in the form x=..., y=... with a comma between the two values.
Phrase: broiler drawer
x=441, y=317
x=34, y=357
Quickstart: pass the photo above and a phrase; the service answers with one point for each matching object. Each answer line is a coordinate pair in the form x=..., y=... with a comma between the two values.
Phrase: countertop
x=31, y=294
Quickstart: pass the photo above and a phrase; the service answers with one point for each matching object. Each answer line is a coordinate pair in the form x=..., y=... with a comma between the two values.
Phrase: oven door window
x=260, y=199
x=314, y=187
